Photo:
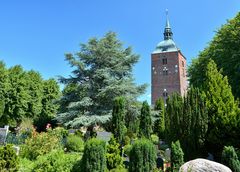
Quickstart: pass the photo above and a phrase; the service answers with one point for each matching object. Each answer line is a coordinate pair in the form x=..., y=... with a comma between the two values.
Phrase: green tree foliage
x=55, y=161
x=8, y=159
x=102, y=72
x=39, y=144
x=225, y=51
x=4, y=85
x=49, y=109
x=187, y=121
x=74, y=143
x=23, y=95
x=35, y=91
x=230, y=158
x=145, y=127
x=114, y=159
x=17, y=96
x=177, y=156
x=94, y=156
x=118, y=119
x=132, y=118
x=159, y=124
x=221, y=107
x=142, y=156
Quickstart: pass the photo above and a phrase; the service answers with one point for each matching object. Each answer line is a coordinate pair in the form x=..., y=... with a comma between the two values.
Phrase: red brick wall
x=175, y=81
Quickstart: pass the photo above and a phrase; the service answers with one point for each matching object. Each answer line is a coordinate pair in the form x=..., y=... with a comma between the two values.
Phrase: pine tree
x=142, y=156
x=102, y=72
x=159, y=124
x=145, y=127
x=118, y=119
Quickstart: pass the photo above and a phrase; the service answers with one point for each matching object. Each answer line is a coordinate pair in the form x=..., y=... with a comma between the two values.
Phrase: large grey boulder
x=203, y=165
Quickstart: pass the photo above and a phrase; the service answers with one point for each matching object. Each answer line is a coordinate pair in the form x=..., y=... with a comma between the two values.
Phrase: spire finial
x=167, y=31
x=167, y=12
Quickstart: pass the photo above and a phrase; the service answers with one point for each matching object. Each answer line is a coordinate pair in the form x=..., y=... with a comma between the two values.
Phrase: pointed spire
x=167, y=31
x=167, y=20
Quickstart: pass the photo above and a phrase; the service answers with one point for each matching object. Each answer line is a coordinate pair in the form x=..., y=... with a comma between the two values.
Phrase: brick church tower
x=168, y=68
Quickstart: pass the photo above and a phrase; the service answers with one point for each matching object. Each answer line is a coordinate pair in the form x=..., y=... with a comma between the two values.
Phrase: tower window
x=164, y=61
x=182, y=64
x=165, y=72
x=165, y=94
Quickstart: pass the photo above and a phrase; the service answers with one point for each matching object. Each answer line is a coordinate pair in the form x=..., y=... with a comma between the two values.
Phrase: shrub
x=60, y=132
x=8, y=159
x=26, y=165
x=94, y=156
x=114, y=159
x=55, y=161
x=230, y=158
x=39, y=144
x=176, y=155
x=74, y=143
x=155, y=139
x=119, y=169
x=127, y=149
x=142, y=156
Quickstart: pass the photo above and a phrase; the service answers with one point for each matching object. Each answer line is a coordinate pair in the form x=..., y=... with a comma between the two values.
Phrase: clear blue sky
x=37, y=34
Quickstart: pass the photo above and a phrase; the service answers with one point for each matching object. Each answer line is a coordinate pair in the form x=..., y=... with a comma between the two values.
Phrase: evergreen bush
x=94, y=156
x=114, y=159
x=177, y=155
x=8, y=159
x=230, y=158
x=142, y=156
x=145, y=127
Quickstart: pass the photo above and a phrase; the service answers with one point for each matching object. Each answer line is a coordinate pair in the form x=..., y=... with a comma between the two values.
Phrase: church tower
x=168, y=68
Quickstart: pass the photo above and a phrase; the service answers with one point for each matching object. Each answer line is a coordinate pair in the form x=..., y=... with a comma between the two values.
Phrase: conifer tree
x=94, y=156
x=145, y=127
x=187, y=121
x=142, y=156
x=114, y=159
x=102, y=71
x=230, y=158
x=159, y=124
x=221, y=108
x=177, y=156
x=118, y=119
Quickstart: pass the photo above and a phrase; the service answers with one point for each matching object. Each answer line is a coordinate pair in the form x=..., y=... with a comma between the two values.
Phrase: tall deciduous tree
x=49, y=109
x=17, y=96
x=102, y=72
x=224, y=49
x=145, y=127
x=3, y=90
x=24, y=94
x=118, y=119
